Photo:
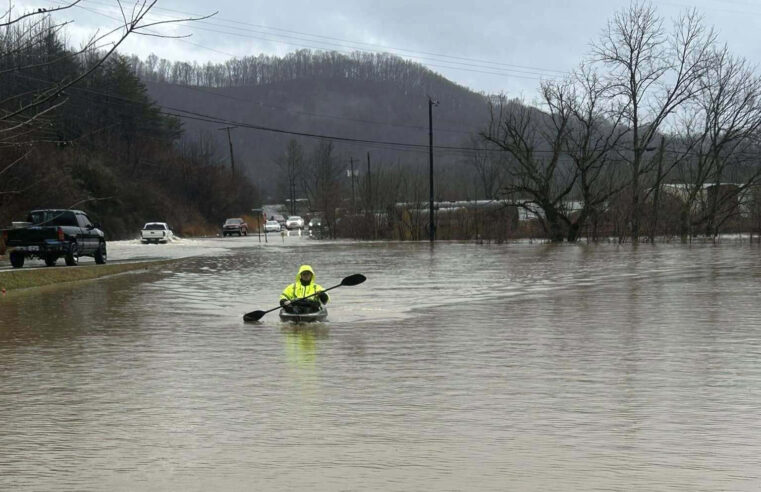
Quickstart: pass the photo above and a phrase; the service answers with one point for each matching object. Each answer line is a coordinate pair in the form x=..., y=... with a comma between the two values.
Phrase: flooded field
x=462, y=367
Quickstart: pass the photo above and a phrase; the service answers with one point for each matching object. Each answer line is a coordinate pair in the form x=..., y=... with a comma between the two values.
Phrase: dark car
x=317, y=228
x=280, y=219
x=235, y=226
x=54, y=233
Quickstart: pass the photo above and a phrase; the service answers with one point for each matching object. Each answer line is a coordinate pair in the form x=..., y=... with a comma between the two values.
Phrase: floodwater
x=462, y=367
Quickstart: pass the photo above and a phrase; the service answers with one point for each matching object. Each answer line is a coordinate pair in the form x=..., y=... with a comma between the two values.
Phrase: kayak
x=320, y=315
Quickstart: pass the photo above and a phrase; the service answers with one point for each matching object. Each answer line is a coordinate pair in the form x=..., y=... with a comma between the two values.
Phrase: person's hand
x=284, y=302
x=323, y=297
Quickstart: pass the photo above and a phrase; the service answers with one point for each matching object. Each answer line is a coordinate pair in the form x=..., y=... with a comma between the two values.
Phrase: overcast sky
x=488, y=46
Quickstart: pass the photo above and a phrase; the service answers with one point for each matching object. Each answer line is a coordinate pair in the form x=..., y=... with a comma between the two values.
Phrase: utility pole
x=230, y=142
x=353, y=208
x=370, y=193
x=431, y=223
x=369, y=185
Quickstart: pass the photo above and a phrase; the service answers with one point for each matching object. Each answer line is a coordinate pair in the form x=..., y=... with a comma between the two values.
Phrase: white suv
x=294, y=222
x=272, y=226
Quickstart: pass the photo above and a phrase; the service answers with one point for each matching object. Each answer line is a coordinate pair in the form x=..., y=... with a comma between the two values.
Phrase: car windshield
x=294, y=217
x=154, y=227
x=233, y=221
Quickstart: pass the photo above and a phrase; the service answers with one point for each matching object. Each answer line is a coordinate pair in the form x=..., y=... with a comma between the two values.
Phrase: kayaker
x=304, y=286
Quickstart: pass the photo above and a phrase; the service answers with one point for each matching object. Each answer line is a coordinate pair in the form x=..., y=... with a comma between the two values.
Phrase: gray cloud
x=486, y=42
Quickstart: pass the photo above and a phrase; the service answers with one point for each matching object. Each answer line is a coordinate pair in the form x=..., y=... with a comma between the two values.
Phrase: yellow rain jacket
x=297, y=290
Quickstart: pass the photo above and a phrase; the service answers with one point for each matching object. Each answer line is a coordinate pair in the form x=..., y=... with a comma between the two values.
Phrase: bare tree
x=651, y=72
x=540, y=178
x=591, y=141
x=488, y=165
x=721, y=128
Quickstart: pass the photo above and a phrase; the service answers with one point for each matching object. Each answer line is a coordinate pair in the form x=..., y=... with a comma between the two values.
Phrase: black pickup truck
x=51, y=234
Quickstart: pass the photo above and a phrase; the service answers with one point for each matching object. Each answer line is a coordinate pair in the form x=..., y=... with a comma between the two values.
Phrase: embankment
x=30, y=278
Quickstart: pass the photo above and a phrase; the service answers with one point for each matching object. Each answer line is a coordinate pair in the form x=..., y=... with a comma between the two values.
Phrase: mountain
x=373, y=98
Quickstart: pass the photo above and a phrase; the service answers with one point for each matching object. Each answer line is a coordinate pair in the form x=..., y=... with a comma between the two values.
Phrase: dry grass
x=14, y=280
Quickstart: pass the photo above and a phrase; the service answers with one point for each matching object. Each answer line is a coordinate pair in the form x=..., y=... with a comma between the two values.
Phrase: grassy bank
x=14, y=280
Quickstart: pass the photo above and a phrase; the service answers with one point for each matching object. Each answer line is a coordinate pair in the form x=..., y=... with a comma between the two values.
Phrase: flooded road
x=463, y=367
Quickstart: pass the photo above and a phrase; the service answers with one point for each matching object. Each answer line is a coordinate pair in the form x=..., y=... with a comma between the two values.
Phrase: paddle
x=349, y=281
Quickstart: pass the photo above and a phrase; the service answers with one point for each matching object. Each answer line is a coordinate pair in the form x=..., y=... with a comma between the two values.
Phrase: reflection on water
x=458, y=367
x=301, y=343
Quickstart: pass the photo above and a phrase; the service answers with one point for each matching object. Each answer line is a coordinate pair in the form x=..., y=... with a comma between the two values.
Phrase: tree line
x=299, y=65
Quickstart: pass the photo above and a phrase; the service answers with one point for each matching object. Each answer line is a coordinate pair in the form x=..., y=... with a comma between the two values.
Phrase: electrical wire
x=197, y=116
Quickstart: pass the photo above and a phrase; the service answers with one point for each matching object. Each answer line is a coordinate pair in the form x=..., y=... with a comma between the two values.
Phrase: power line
x=317, y=115
x=404, y=146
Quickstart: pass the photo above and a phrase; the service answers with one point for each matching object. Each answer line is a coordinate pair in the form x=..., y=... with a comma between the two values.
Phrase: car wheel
x=17, y=259
x=100, y=254
x=72, y=257
x=50, y=260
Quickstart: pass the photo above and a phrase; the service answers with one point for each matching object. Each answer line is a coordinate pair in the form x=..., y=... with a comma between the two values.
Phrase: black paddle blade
x=254, y=315
x=355, y=279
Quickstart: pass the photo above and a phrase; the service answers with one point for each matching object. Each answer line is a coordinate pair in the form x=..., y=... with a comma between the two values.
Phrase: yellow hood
x=305, y=268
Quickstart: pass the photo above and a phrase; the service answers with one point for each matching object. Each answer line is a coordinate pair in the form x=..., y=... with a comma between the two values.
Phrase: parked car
x=294, y=222
x=53, y=233
x=235, y=226
x=272, y=226
x=156, y=232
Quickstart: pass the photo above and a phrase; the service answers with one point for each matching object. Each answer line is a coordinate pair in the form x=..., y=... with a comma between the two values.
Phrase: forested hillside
x=100, y=144
x=379, y=100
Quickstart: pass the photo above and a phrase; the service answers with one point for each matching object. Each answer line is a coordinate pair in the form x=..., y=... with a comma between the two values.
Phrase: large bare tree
x=540, y=178
x=592, y=140
x=651, y=71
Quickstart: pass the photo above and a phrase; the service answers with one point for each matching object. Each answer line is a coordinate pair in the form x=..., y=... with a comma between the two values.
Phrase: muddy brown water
x=462, y=367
